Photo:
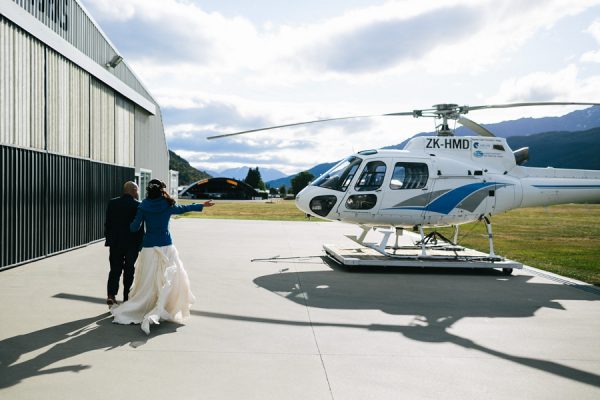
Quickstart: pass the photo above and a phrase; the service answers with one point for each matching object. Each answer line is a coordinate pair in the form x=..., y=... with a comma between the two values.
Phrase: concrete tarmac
x=297, y=327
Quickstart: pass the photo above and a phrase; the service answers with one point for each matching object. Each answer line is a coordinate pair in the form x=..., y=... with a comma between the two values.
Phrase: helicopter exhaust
x=521, y=155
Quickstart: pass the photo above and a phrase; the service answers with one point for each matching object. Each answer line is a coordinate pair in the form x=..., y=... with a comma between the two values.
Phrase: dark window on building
x=371, y=177
x=409, y=176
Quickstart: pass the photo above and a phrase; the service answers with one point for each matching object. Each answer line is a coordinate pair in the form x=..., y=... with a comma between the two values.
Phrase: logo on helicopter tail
x=448, y=143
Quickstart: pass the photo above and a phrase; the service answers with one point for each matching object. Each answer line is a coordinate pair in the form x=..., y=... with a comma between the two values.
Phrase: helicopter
x=438, y=180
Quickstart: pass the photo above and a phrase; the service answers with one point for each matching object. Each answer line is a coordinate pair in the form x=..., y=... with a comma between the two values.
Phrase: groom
x=124, y=246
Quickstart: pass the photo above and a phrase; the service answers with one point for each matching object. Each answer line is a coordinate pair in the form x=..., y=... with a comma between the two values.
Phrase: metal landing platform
x=436, y=258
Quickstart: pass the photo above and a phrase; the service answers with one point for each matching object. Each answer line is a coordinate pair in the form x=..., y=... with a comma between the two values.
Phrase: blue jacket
x=156, y=213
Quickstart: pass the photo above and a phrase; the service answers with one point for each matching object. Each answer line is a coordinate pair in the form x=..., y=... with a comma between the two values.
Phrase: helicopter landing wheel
x=507, y=271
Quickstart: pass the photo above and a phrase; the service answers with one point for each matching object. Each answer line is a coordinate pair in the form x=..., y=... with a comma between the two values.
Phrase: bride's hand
x=208, y=203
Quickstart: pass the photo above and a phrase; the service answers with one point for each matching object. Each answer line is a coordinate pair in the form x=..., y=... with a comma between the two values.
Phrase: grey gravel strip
x=586, y=287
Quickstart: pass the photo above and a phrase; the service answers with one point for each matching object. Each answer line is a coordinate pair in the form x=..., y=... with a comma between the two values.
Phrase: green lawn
x=562, y=239
x=276, y=210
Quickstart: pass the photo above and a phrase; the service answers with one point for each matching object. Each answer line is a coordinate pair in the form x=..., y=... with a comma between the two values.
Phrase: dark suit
x=124, y=245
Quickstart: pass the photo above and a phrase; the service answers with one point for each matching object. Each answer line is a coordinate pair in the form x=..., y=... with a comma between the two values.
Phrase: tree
x=301, y=181
x=282, y=190
x=254, y=179
x=273, y=191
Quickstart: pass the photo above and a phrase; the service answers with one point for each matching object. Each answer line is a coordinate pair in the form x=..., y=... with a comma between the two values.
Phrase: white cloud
x=594, y=30
x=564, y=85
x=591, y=57
x=442, y=37
x=539, y=86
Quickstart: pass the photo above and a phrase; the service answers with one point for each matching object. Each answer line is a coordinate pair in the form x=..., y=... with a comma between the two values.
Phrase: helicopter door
x=362, y=201
x=409, y=191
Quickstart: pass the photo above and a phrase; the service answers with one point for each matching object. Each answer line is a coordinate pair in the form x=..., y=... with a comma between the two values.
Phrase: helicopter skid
x=410, y=256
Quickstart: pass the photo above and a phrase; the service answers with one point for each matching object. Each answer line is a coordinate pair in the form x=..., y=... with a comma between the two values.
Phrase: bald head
x=131, y=189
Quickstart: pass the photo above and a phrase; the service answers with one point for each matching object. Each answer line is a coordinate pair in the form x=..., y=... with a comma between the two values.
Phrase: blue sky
x=218, y=66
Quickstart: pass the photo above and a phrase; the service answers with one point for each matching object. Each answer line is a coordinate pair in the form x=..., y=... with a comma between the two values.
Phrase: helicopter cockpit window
x=340, y=176
x=371, y=177
x=409, y=176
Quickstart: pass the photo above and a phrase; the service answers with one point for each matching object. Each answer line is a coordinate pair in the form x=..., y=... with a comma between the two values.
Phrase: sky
x=221, y=66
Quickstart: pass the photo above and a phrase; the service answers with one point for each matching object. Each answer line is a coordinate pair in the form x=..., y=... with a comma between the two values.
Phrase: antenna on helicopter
x=444, y=112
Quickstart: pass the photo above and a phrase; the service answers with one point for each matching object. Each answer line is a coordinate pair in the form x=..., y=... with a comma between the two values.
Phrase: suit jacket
x=119, y=215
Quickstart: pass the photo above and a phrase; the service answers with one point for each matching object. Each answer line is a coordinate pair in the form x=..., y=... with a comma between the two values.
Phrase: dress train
x=160, y=292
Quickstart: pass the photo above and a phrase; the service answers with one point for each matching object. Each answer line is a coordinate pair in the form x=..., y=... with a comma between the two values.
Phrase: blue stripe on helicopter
x=449, y=200
x=567, y=186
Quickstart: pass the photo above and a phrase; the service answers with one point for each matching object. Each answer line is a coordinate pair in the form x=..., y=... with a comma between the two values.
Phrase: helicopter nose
x=301, y=202
x=312, y=203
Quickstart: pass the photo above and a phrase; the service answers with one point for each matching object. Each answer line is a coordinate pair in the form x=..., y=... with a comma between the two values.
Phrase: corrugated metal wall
x=73, y=128
x=68, y=19
x=22, y=91
x=79, y=124
x=124, y=132
x=52, y=203
x=7, y=79
x=102, y=126
x=68, y=92
x=151, y=148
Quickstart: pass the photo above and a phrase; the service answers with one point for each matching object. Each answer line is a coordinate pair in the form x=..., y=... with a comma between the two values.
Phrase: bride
x=161, y=288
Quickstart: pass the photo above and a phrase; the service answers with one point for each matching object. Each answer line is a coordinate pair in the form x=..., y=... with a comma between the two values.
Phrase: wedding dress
x=160, y=292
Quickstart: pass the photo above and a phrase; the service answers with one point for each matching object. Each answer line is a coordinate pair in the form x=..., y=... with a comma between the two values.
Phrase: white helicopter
x=438, y=181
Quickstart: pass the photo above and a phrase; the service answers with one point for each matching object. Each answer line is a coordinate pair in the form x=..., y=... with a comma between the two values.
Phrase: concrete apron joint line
x=305, y=300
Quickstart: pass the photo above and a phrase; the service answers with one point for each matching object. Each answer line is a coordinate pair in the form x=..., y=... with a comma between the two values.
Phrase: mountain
x=235, y=173
x=212, y=172
x=577, y=150
x=240, y=173
x=287, y=181
x=187, y=173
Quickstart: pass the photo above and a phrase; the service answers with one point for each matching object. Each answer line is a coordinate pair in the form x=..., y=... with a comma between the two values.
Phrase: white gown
x=160, y=291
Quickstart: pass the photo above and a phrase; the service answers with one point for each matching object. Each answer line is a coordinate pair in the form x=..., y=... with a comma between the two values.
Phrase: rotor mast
x=445, y=112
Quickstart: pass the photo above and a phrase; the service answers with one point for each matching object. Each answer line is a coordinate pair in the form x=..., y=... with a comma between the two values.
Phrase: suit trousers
x=122, y=260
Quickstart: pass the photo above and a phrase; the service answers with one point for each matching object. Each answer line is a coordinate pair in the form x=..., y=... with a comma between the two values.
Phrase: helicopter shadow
x=67, y=340
x=438, y=298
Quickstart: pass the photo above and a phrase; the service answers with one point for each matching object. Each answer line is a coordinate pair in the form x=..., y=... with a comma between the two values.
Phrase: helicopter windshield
x=339, y=177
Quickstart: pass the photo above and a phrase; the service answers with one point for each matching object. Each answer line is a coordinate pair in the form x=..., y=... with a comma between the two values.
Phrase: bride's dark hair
x=156, y=189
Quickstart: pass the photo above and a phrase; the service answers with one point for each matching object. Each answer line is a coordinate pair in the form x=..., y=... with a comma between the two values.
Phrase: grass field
x=561, y=239
x=277, y=210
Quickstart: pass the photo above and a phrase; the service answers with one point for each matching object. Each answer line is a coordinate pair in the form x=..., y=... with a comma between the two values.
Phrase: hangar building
x=75, y=124
x=220, y=188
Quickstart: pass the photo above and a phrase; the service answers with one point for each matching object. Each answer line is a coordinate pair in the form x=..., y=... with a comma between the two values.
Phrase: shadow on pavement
x=437, y=298
x=67, y=340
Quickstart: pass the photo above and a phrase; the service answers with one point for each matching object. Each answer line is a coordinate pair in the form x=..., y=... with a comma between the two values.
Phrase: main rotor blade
x=541, y=103
x=475, y=127
x=309, y=122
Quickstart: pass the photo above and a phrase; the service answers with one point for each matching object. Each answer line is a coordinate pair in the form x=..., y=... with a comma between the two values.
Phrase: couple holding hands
x=156, y=287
